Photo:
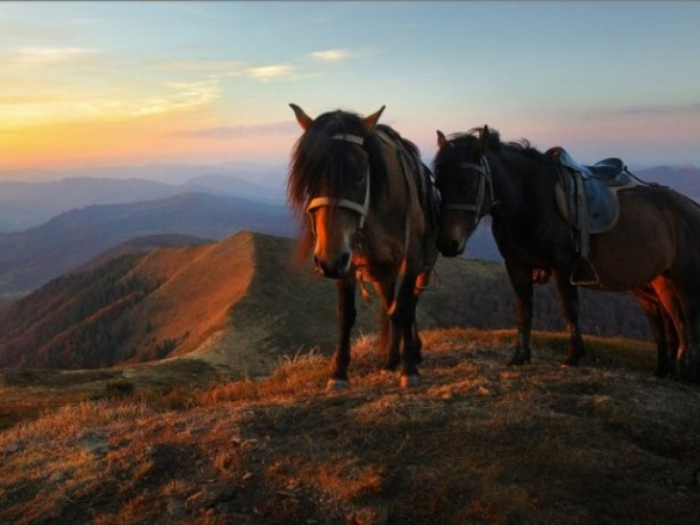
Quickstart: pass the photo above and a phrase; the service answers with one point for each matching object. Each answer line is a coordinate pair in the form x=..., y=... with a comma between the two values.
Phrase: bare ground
x=477, y=442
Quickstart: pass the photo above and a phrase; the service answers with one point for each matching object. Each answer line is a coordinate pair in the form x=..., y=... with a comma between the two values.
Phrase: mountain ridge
x=31, y=258
x=236, y=302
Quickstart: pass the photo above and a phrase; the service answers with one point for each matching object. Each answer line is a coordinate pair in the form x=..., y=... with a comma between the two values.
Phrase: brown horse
x=653, y=250
x=363, y=198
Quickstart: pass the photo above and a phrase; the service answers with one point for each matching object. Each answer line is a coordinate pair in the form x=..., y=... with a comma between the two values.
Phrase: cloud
x=181, y=96
x=243, y=131
x=41, y=56
x=331, y=55
x=659, y=109
x=265, y=73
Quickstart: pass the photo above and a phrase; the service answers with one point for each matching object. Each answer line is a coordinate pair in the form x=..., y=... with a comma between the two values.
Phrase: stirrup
x=584, y=267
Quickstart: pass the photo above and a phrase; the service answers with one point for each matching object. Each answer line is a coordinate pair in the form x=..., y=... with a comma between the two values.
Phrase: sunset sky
x=129, y=83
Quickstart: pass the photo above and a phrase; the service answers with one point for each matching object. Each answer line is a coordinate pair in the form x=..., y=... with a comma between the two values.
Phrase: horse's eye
x=361, y=176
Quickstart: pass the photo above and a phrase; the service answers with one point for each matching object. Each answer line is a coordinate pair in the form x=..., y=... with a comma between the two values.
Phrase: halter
x=361, y=209
x=485, y=180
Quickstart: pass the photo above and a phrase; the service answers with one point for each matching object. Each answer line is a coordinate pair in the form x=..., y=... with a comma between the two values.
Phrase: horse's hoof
x=335, y=385
x=410, y=381
x=519, y=360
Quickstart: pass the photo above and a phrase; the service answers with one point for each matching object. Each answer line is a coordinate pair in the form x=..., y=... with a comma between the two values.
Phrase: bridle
x=485, y=181
x=361, y=209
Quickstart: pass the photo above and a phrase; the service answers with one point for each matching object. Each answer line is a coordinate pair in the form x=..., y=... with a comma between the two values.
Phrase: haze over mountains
x=26, y=204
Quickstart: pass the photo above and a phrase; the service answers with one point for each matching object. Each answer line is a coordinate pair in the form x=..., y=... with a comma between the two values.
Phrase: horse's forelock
x=311, y=155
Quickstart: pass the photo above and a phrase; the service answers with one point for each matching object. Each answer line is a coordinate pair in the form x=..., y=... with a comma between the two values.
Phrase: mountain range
x=26, y=205
x=32, y=257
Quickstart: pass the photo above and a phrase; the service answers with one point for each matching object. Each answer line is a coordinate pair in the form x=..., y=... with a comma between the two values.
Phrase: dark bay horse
x=362, y=196
x=653, y=250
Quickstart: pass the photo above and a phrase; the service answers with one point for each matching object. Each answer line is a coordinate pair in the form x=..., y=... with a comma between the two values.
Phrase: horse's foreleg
x=521, y=280
x=416, y=343
x=568, y=297
x=405, y=329
x=346, y=320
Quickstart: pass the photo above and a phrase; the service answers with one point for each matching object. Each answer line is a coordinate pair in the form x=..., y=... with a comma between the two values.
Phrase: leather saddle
x=587, y=195
x=587, y=198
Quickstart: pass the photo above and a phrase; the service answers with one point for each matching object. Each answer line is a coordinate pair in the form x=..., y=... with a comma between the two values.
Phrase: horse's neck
x=520, y=189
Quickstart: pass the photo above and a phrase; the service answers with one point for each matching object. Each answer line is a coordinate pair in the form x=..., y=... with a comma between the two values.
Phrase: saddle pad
x=602, y=204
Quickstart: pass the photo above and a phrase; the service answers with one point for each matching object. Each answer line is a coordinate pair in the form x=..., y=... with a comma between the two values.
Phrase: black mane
x=465, y=145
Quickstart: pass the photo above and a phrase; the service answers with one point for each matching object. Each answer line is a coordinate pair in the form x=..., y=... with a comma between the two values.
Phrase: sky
x=132, y=83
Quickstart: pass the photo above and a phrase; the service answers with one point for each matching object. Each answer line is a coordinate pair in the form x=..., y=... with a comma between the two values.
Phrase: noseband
x=485, y=180
x=361, y=209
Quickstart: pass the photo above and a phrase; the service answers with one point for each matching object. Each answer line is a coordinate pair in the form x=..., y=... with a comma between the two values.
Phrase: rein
x=485, y=180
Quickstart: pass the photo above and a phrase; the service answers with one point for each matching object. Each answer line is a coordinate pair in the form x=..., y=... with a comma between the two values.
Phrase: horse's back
x=654, y=224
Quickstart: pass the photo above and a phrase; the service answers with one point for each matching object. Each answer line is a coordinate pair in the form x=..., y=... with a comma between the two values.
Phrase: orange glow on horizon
x=147, y=139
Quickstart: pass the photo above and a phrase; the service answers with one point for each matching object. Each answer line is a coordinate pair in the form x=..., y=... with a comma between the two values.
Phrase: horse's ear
x=442, y=140
x=369, y=122
x=484, y=139
x=303, y=119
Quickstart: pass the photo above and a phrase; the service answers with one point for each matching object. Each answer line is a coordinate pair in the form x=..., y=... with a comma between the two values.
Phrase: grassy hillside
x=477, y=442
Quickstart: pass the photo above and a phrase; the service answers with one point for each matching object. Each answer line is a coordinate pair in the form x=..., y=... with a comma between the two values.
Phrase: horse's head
x=463, y=176
x=330, y=183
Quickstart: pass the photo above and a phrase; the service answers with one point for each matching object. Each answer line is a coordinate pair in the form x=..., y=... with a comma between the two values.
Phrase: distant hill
x=240, y=303
x=30, y=258
x=139, y=245
x=684, y=179
x=26, y=205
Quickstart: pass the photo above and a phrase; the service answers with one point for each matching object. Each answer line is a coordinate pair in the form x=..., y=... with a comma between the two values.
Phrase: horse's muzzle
x=452, y=247
x=334, y=268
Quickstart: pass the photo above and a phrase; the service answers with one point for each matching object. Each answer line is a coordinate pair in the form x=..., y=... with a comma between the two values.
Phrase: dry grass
x=477, y=442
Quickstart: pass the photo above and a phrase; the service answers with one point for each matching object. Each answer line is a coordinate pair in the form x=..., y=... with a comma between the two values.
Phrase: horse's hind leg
x=346, y=320
x=389, y=339
x=663, y=331
x=674, y=306
x=402, y=329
